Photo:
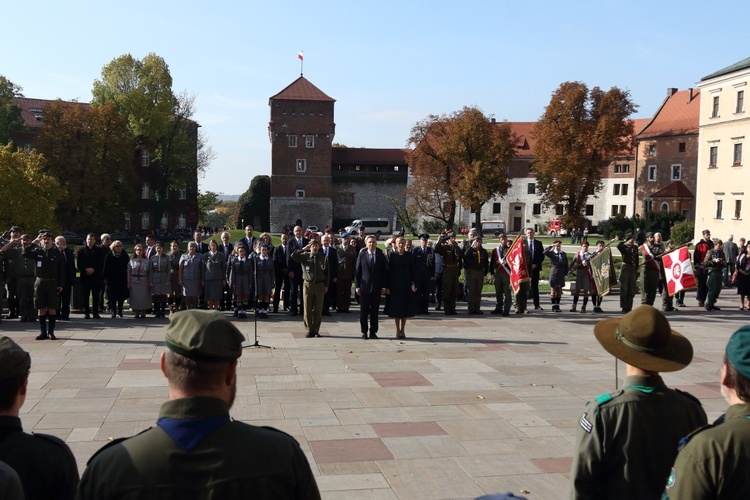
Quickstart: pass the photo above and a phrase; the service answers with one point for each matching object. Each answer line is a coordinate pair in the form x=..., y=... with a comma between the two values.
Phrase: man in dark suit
x=371, y=281
x=69, y=266
x=295, y=270
x=424, y=264
x=226, y=249
x=202, y=247
x=281, y=274
x=90, y=262
x=248, y=240
x=150, y=246
x=536, y=258
x=333, y=266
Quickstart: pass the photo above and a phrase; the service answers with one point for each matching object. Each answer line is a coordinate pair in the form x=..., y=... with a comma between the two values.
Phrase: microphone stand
x=255, y=310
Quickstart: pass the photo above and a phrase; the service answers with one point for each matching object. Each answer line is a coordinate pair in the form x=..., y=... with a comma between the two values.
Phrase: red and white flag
x=678, y=271
x=301, y=56
x=648, y=257
x=516, y=260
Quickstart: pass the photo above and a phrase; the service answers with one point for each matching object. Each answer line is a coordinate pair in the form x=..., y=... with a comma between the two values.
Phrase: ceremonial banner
x=516, y=260
x=678, y=271
x=648, y=257
x=603, y=269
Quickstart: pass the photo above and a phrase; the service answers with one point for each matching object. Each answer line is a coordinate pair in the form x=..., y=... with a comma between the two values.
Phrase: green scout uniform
x=451, y=254
x=714, y=264
x=715, y=461
x=628, y=274
x=503, y=291
x=628, y=440
x=476, y=261
x=230, y=459
x=651, y=275
x=315, y=274
x=50, y=275
x=24, y=271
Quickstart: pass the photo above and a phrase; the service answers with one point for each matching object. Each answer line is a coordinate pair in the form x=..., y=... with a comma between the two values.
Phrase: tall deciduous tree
x=461, y=157
x=28, y=195
x=90, y=153
x=254, y=205
x=10, y=114
x=580, y=132
x=207, y=202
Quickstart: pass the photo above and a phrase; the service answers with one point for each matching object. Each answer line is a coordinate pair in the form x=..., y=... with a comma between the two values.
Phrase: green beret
x=14, y=361
x=204, y=336
x=649, y=234
x=738, y=351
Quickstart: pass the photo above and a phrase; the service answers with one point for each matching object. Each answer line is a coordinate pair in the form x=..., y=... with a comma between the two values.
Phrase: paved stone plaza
x=464, y=406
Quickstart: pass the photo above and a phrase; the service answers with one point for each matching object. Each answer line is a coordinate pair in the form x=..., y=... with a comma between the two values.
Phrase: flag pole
x=301, y=56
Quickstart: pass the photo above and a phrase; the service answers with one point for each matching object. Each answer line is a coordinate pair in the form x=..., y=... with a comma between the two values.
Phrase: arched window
x=665, y=207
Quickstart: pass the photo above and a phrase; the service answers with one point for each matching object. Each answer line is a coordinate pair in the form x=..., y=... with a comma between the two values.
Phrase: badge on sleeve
x=585, y=424
x=671, y=480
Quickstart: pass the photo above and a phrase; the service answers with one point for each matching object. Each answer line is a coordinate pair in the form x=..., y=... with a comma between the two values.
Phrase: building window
x=676, y=172
x=740, y=102
x=496, y=208
x=623, y=209
x=164, y=220
x=613, y=212
x=127, y=220
x=182, y=194
x=145, y=191
x=395, y=168
x=145, y=220
x=715, y=107
x=145, y=159
x=648, y=206
x=665, y=207
x=719, y=207
x=738, y=154
x=624, y=190
x=652, y=150
x=713, y=156
x=558, y=209
x=301, y=165
x=182, y=221
x=589, y=210
x=616, y=191
x=737, y=209
x=299, y=193
x=536, y=209
x=531, y=188
x=682, y=147
x=652, y=173
x=623, y=168
x=309, y=141
x=292, y=141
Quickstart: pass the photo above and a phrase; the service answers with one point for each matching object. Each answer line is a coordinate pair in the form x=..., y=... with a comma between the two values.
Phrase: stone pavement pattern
x=464, y=406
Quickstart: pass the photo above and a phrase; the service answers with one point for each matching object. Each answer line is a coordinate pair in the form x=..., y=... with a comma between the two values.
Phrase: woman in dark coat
x=558, y=271
x=175, y=295
x=743, y=276
x=402, y=280
x=116, y=277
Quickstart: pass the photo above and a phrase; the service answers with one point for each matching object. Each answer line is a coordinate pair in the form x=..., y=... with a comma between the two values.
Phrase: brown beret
x=14, y=361
x=204, y=336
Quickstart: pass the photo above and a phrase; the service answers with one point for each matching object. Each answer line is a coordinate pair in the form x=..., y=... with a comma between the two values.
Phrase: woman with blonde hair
x=402, y=281
x=139, y=282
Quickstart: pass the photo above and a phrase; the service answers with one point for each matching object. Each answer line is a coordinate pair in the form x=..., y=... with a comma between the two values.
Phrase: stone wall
x=312, y=211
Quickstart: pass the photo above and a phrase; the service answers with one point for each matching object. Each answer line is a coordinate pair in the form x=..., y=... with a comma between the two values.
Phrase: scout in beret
x=725, y=443
x=634, y=432
x=204, y=336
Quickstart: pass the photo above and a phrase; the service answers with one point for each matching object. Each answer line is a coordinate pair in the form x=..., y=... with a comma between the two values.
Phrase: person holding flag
x=667, y=303
x=501, y=271
x=650, y=250
x=714, y=264
x=518, y=260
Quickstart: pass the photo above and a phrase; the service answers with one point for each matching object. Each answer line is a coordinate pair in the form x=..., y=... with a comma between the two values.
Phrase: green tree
x=580, y=132
x=207, y=202
x=28, y=195
x=405, y=219
x=10, y=114
x=682, y=232
x=254, y=205
x=461, y=157
x=90, y=154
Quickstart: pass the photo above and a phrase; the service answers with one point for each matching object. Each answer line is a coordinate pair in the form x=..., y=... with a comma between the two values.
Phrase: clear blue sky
x=388, y=64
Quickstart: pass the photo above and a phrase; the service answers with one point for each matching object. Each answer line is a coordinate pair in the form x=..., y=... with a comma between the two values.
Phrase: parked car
x=166, y=237
x=125, y=238
x=494, y=227
x=73, y=238
x=556, y=228
x=377, y=226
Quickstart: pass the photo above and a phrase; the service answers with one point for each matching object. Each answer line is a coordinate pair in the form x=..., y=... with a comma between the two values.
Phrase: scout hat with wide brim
x=644, y=339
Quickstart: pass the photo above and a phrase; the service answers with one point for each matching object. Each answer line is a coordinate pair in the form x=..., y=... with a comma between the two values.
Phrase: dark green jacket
x=715, y=463
x=627, y=440
x=236, y=460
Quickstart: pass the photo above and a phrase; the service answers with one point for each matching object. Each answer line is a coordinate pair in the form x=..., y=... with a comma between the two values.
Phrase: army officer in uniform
x=315, y=273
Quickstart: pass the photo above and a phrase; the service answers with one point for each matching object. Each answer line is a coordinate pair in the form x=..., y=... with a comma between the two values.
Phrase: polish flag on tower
x=678, y=271
x=301, y=56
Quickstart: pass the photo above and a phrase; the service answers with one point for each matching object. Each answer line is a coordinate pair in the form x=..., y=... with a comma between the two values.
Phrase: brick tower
x=301, y=132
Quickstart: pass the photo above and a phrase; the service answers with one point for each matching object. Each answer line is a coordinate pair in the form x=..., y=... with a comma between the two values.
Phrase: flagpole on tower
x=301, y=62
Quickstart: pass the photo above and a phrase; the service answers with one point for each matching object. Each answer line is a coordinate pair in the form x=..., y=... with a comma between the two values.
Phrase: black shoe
x=293, y=313
x=538, y=308
x=373, y=336
x=453, y=313
x=12, y=316
x=114, y=314
x=52, y=336
x=310, y=335
x=275, y=309
x=96, y=316
x=713, y=308
x=235, y=313
x=25, y=320
x=478, y=312
x=364, y=336
x=505, y=314
x=496, y=311
x=668, y=309
x=701, y=304
x=42, y=336
x=87, y=316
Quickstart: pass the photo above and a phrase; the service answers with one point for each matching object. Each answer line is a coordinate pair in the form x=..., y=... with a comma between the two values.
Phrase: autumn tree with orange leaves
x=580, y=132
x=458, y=158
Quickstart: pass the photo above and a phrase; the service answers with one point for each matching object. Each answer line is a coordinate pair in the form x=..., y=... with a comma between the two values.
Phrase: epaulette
x=601, y=399
x=689, y=396
x=687, y=438
x=605, y=398
x=114, y=442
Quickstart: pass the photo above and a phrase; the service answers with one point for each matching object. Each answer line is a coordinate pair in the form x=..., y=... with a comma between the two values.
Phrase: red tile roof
x=32, y=110
x=675, y=190
x=302, y=90
x=679, y=115
x=369, y=156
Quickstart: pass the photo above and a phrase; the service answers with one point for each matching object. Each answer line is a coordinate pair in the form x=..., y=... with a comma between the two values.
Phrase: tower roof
x=302, y=90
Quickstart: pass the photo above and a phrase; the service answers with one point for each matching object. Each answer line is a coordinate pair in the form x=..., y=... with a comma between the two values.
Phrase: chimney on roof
x=492, y=120
x=671, y=92
x=690, y=95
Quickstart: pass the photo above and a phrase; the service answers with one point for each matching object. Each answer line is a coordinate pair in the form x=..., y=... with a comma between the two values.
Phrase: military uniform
x=452, y=262
x=503, y=292
x=715, y=461
x=476, y=261
x=651, y=274
x=713, y=265
x=231, y=460
x=628, y=439
x=628, y=274
x=8, y=266
x=699, y=256
x=315, y=273
x=424, y=266
x=347, y=256
x=49, y=273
